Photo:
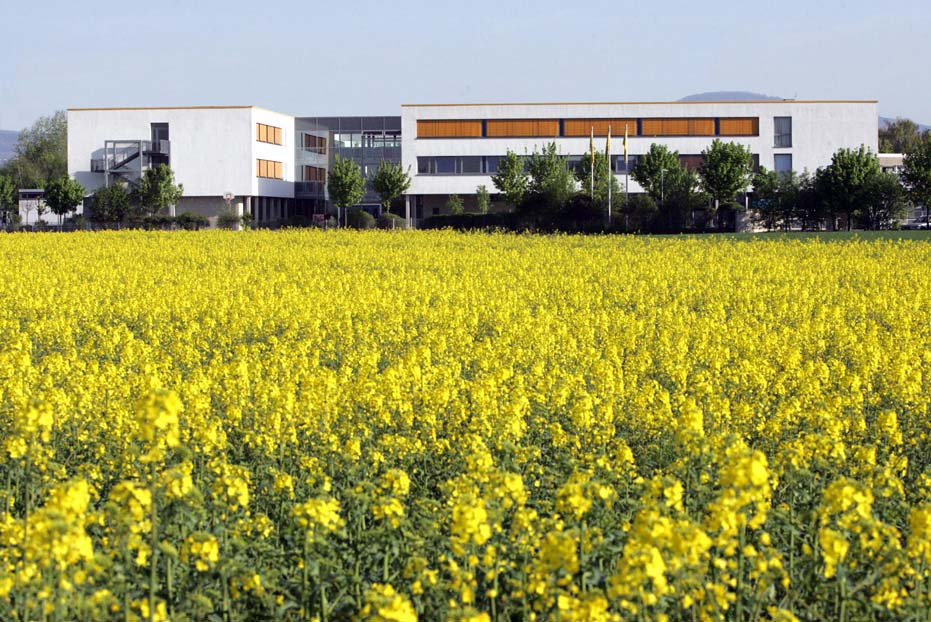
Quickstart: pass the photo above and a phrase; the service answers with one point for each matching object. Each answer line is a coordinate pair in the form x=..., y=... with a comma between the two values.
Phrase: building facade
x=276, y=165
x=213, y=150
x=456, y=148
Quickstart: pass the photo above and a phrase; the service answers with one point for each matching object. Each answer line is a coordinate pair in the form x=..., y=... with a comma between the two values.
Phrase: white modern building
x=454, y=148
x=276, y=165
x=213, y=150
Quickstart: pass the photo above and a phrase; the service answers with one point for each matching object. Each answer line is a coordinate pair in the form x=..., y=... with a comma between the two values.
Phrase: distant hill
x=8, y=140
x=728, y=96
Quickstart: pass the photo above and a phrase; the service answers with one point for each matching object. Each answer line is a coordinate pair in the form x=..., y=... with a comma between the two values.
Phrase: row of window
x=315, y=144
x=488, y=165
x=268, y=134
x=369, y=140
x=269, y=169
x=314, y=173
x=551, y=128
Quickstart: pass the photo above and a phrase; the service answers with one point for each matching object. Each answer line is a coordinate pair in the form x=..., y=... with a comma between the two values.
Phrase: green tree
x=655, y=168
x=810, y=208
x=41, y=153
x=8, y=199
x=111, y=204
x=511, y=179
x=550, y=178
x=63, y=195
x=901, y=136
x=917, y=177
x=345, y=184
x=583, y=173
x=846, y=185
x=390, y=182
x=157, y=190
x=482, y=199
x=674, y=189
x=454, y=205
x=887, y=202
x=727, y=170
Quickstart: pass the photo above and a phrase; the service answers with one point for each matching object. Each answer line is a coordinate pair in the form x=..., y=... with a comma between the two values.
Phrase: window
x=269, y=169
x=632, y=161
x=315, y=144
x=491, y=164
x=782, y=163
x=445, y=165
x=470, y=165
x=268, y=134
x=314, y=173
x=783, y=132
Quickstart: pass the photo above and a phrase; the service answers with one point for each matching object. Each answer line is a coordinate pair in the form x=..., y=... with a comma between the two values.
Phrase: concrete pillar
x=407, y=211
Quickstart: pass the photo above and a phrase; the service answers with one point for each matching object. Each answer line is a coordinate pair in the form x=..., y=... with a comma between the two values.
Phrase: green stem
x=305, y=598
x=153, y=563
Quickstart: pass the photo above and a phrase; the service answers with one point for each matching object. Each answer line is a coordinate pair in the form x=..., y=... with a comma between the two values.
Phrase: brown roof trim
x=652, y=103
x=164, y=108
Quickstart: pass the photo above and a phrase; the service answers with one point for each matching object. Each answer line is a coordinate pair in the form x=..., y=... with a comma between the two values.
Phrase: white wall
x=818, y=130
x=213, y=149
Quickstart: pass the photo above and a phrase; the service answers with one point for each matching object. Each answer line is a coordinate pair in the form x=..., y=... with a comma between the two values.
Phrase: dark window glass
x=471, y=165
x=783, y=163
x=445, y=165
x=783, y=132
x=425, y=166
x=491, y=164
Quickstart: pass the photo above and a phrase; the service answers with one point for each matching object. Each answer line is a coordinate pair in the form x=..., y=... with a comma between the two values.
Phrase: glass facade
x=367, y=141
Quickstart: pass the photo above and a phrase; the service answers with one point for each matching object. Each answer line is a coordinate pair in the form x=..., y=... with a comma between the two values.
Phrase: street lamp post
x=662, y=186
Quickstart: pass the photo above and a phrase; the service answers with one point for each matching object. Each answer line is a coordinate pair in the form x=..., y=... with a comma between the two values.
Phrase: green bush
x=391, y=221
x=190, y=221
x=228, y=219
x=360, y=219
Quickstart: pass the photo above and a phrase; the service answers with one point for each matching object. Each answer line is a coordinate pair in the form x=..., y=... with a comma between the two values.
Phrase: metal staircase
x=127, y=160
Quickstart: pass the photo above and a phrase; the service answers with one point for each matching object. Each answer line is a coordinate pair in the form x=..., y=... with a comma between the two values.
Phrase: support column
x=407, y=211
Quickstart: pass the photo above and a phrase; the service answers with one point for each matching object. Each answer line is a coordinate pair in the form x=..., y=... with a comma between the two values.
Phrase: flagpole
x=610, y=173
x=591, y=148
x=626, y=182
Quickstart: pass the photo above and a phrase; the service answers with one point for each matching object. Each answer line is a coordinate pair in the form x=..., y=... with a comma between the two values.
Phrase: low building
x=455, y=148
x=213, y=150
x=276, y=165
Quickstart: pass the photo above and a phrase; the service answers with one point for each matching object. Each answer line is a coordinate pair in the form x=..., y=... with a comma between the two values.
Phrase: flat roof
x=726, y=101
x=165, y=108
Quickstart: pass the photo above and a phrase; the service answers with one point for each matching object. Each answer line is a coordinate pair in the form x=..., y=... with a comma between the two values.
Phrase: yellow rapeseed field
x=405, y=426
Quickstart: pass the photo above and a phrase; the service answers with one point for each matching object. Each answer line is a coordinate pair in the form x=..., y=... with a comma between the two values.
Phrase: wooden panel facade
x=748, y=126
x=449, y=128
x=583, y=127
x=678, y=127
x=522, y=128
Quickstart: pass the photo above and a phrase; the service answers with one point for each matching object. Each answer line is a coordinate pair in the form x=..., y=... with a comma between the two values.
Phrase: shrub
x=391, y=221
x=190, y=221
x=360, y=219
x=228, y=219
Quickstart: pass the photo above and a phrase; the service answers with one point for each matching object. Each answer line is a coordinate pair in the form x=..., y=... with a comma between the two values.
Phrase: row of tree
x=110, y=205
x=851, y=191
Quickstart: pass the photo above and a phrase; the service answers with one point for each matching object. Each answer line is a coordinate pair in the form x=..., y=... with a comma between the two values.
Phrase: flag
x=625, y=147
x=591, y=147
x=608, y=151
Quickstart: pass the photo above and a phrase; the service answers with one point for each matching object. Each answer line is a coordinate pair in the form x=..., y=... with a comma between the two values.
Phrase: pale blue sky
x=368, y=57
